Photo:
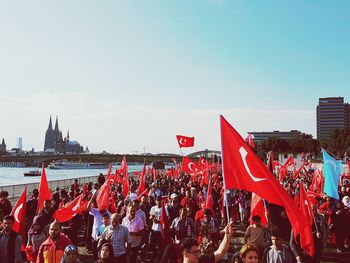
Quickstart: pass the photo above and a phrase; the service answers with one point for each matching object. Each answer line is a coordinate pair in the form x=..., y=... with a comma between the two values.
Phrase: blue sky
x=124, y=75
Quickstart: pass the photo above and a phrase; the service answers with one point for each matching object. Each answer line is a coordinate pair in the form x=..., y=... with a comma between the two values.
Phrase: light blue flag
x=332, y=170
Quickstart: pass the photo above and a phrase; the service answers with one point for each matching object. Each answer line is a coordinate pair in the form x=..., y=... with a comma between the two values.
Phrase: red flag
x=184, y=141
x=164, y=230
x=67, y=212
x=44, y=190
x=297, y=172
x=250, y=140
x=109, y=172
x=243, y=170
x=19, y=213
x=188, y=166
x=257, y=208
x=142, y=180
x=126, y=188
x=306, y=240
x=290, y=161
x=102, y=197
x=209, y=201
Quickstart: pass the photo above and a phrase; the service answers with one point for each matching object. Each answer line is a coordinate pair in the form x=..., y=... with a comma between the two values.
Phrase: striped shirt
x=120, y=239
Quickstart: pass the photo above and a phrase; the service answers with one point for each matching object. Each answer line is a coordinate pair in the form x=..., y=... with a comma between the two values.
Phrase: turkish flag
x=290, y=161
x=142, y=180
x=19, y=213
x=258, y=208
x=109, y=172
x=306, y=239
x=164, y=230
x=209, y=201
x=67, y=212
x=202, y=163
x=184, y=141
x=189, y=166
x=244, y=170
x=44, y=190
x=297, y=172
x=102, y=197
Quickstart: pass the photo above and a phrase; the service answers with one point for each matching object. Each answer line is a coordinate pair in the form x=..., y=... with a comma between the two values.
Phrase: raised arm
x=225, y=243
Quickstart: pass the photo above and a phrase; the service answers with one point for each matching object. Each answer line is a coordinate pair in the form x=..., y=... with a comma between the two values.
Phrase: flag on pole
x=306, y=239
x=19, y=213
x=102, y=196
x=185, y=141
x=332, y=170
x=243, y=170
x=44, y=190
x=258, y=208
x=142, y=180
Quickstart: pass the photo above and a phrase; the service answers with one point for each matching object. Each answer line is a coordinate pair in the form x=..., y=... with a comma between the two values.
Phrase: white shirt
x=157, y=213
x=134, y=225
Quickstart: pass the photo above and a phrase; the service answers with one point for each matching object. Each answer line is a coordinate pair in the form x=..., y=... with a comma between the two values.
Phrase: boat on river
x=65, y=164
x=33, y=173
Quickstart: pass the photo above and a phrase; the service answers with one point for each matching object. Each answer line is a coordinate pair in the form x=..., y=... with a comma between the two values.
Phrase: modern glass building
x=332, y=114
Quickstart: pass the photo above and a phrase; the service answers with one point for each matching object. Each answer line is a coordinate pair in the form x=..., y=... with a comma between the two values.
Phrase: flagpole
x=223, y=176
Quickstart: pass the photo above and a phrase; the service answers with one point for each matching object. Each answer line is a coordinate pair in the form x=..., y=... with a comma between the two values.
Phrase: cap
x=133, y=197
x=173, y=195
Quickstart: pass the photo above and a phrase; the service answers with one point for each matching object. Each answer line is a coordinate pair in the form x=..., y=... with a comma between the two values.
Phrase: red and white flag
x=258, y=208
x=19, y=213
x=244, y=170
x=184, y=141
x=189, y=166
x=68, y=211
x=306, y=239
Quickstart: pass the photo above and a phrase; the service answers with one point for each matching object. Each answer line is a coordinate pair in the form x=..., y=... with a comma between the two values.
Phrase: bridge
x=36, y=160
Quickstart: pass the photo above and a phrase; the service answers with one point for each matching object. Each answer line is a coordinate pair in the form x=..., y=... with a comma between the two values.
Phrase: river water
x=12, y=176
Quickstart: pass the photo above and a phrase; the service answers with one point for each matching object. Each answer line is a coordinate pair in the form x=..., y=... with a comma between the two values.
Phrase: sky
x=127, y=76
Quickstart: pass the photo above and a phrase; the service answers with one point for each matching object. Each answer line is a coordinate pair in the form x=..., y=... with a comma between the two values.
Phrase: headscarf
x=346, y=201
x=110, y=258
x=68, y=249
x=36, y=220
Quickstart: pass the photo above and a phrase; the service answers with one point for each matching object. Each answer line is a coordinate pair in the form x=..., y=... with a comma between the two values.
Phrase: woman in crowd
x=105, y=254
x=70, y=254
x=249, y=253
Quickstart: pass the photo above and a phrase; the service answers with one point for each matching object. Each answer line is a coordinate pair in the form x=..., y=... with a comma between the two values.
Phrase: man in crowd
x=277, y=252
x=136, y=229
x=182, y=226
x=10, y=242
x=51, y=251
x=118, y=235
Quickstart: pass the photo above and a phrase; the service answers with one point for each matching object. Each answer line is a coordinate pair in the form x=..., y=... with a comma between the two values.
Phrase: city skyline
x=124, y=76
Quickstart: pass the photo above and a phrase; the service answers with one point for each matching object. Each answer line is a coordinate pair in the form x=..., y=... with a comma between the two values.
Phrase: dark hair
x=4, y=194
x=106, y=215
x=256, y=218
x=110, y=258
x=187, y=243
x=208, y=212
x=9, y=217
x=275, y=233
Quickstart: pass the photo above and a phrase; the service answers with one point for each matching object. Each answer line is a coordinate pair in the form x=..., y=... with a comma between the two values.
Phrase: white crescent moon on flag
x=182, y=141
x=190, y=167
x=18, y=209
x=244, y=153
x=333, y=164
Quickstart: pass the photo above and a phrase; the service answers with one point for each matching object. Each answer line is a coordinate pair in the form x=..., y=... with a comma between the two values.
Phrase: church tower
x=49, y=137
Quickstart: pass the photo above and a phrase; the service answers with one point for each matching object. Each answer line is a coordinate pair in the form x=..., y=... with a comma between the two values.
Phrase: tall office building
x=19, y=143
x=332, y=114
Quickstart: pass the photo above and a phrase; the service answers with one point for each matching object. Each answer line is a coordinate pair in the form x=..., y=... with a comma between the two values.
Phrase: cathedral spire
x=56, y=124
x=3, y=141
x=50, y=124
x=68, y=135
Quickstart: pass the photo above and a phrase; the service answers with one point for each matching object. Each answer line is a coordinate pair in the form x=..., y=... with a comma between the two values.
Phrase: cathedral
x=54, y=141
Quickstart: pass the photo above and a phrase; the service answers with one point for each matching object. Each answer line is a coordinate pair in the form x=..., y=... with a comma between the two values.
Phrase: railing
x=16, y=190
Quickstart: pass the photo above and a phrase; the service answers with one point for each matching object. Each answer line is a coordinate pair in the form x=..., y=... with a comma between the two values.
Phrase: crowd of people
x=172, y=222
